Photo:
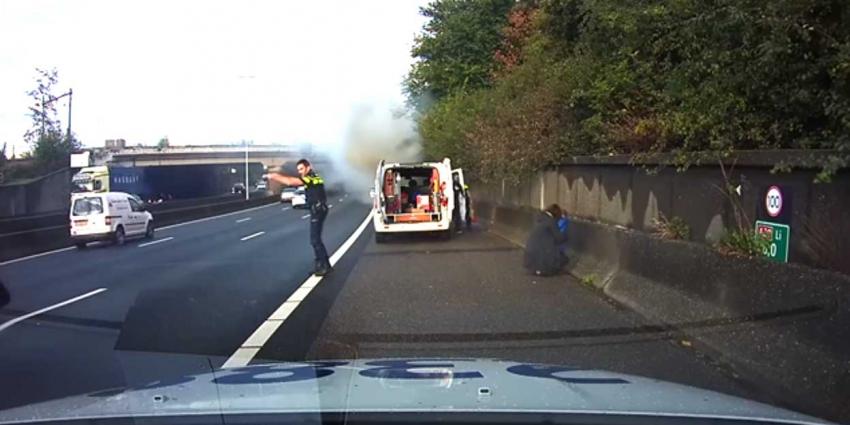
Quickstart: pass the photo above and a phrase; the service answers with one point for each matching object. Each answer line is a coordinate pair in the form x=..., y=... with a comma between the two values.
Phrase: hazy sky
x=205, y=72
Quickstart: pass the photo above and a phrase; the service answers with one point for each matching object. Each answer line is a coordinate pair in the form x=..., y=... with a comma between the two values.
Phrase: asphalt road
x=182, y=305
x=185, y=305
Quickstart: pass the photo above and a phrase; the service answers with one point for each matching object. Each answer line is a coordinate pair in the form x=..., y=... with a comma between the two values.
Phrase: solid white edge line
x=242, y=220
x=142, y=245
x=262, y=334
x=56, y=251
x=42, y=254
x=213, y=217
x=246, y=352
x=283, y=311
x=299, y=294
x=252, y=236
x=241, y=357
x=10, y=323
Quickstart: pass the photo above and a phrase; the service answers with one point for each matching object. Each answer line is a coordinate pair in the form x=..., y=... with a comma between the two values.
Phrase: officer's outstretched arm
x=284, y=179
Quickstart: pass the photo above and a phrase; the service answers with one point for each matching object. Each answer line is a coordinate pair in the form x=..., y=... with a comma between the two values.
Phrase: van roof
x=413, y=164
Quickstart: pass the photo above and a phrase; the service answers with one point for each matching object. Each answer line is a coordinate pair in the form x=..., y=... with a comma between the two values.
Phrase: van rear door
x=459, y=185
x=378, y=201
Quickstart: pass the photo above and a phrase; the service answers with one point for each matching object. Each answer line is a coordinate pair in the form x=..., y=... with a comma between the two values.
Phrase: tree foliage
x=3, y=161
x=454, y=52
x=51, y=146
x=682, y=76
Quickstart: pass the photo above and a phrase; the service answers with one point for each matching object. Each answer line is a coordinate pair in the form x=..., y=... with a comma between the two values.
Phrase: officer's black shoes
x=324, y=270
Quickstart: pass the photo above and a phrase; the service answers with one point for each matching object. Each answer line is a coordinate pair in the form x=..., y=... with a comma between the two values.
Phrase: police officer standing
x=314, y=187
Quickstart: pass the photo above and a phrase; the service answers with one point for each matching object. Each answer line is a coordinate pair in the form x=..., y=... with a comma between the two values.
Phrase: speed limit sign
x=773, y=201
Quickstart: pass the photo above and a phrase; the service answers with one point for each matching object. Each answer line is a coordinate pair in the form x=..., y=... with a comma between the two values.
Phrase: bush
x=578, y=77
x=744, y=243
x=674, y=228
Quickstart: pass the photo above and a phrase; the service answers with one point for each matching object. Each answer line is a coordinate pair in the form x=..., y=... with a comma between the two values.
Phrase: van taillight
x=107, y=221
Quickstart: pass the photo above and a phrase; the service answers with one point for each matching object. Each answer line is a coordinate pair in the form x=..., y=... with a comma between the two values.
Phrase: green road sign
x=780, y=238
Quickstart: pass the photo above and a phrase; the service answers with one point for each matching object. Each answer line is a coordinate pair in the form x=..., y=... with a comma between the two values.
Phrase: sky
x=206, y=72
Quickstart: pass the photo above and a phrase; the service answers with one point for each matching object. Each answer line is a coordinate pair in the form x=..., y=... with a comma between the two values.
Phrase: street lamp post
x=44, y=104
x=247, y=188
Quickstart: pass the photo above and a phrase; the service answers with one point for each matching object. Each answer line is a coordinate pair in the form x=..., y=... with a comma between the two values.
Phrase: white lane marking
x=241, y=357
x=56, y=251
x=252, y=236
x=262, y=334
x=242, y=220
x=30, y=257
x=305, y=216
x=330, y=205
x=10, y=323
x=340, y=200
x=142, y=245
x=245, y=353
x=283, y=311
x=299, y=294
x=285, y=209
x=214, y=217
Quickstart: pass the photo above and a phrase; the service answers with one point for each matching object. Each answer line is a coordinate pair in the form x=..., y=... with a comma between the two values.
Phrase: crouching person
x=543, y=254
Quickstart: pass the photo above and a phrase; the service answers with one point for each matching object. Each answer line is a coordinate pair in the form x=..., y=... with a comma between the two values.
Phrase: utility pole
x=43, y=114
x=70, y=99
x=247, y=188
x=44, y=103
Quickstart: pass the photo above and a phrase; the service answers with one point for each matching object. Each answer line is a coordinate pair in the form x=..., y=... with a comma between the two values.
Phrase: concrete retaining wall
x=783, y=327
x=611, y=190
x=46, y=194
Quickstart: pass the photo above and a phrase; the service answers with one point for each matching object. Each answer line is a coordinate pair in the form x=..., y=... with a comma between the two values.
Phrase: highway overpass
x=268, y=155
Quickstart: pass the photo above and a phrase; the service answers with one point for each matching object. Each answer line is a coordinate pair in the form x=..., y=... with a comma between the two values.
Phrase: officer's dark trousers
x=317, y=222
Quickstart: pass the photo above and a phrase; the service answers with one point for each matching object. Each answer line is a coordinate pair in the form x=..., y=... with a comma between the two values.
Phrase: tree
x=521, y=25
x=51, y=146
x=3, y=164
x=693, y=78
x=163, y=143
x=455, y=50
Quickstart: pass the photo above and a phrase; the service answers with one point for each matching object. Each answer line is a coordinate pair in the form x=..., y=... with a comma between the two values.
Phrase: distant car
x=109, y=216
x=238, y=188
x=262, y=186
x=287, y=194
x=299, y=198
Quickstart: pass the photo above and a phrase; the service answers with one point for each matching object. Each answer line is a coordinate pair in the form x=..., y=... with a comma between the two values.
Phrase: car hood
x=404, y=385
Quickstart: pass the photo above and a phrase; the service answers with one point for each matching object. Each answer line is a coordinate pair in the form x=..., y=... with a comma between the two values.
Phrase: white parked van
x=417, y=197
x=109, y=216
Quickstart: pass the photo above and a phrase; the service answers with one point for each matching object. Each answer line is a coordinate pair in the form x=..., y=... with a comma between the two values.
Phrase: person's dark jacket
x=542, y=253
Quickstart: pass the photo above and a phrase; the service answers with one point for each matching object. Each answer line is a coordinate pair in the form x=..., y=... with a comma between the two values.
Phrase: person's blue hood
x=405, y=385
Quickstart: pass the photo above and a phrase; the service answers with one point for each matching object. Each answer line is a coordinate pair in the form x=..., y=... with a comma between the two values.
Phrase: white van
x=414, y=197
x=109, y=216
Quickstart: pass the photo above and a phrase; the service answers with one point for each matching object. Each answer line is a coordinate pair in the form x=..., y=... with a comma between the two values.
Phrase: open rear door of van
x=457, y=173
x=378, y=201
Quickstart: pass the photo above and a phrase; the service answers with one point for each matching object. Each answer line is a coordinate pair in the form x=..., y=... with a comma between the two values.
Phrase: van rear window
x=88, y=206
